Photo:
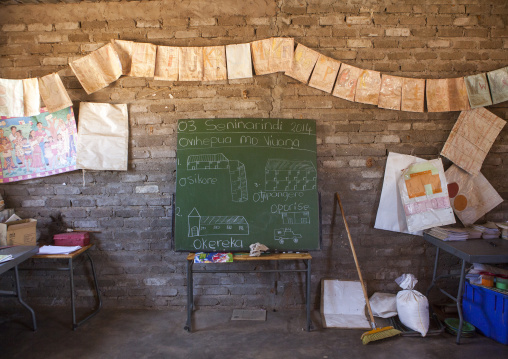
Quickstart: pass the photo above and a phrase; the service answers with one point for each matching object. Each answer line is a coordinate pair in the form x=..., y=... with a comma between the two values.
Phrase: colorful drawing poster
x=498, y=81
x=214, y=63
x=367, y=87
x=303, y=63
x=345, y=87
x=143, y=60
x=53, y=93
x=31, y=97
x=478, y=90
x=413, y=95
x=190, y=64
x=11, y=98
x=37, y=146
x=98, y=69
x=166, y=63
x=325, y=73
x=390, y=95
x=471, y=196
x=239, y=61
x=437, y=95
x=457, y=94
x=471, y=138
x=424, y=194
x=261, y=56
x=124, y=50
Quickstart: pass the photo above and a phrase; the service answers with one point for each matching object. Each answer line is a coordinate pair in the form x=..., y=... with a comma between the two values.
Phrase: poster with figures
x=242, y=181
x=37, y=146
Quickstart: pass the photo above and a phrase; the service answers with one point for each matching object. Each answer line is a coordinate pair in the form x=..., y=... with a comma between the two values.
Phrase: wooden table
x=244, y=257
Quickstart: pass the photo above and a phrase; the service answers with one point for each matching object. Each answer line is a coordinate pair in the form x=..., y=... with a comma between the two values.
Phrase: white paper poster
x=11, y=98
x=239, y=62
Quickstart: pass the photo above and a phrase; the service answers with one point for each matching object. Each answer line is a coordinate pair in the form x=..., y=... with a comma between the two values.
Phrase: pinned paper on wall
x=413, y=95
x=345, y=87
x=124, y=50
x=37, y=146
x=103, y=136
x=31, y=97
x=166, y=63
x=98, y=69
x=471, y=196
x=437, y=95
x=325, y=73
x=478, y=90
x=281, y=53
x=11, y=98
x=190, y=64
x=457, y=94
x=498, y=81
x=424, y=194
x=471, y=138
x=214, y=63
x=239, y=61
x=390, y=213
x=303, y=63
x=368, y=87
x=143, y=60
x=261, y=56
x=390, y=95
x=53, y=93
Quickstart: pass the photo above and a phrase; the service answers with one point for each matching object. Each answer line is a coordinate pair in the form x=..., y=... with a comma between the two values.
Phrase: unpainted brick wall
x=136, y=267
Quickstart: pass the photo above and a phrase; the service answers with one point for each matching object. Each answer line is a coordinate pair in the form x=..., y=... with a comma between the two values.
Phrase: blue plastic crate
x=487, y=310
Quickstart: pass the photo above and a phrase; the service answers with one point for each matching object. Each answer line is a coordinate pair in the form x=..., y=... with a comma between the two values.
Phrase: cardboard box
x=19, y=233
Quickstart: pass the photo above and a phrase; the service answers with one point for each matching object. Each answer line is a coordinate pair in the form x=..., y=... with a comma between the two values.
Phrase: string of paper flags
x=278, y=54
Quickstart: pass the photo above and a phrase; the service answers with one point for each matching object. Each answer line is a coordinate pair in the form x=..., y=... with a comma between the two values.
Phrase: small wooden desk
x=244, y=257
x=70, y=268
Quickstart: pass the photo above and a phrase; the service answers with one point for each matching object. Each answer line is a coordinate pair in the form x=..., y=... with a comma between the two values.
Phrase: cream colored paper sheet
x=325, y=73
x=478, y=90
x=260, y=50
x=390, y=95
x=53, y=93
x=239, y=61
x=190, y=64
x=124, y=50
x=345, y=87
x=214, y=63
x=281, y=53
x=166, y=63
x=413, y=95
x=457, y=94
x=437, y=95
x=11, y=98
x=143, y=60
x=498, y=81
x=303, y=63
x=367, y=87
x=31, y=97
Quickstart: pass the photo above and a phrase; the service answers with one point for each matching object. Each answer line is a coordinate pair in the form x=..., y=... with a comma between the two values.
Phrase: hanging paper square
x=11, y=98
x=424, y=193
x=457, y=93
x=281, y=53
x=437, y=95
x=478, y=90
x=103, y=136
x=303, y=63
x=345, y=87
x=31, y=97
x=190, y=64
x=239, y=61
x=260, y=50
x=53, y=93
x=413, y=95
x=37, y=146
x=471, y=138
x=124, y=50
x=390, y=95
x=143, y=60
x=166, y=63
x=498, y=81
x=214, y=63
x=325, y=73
x=471, y=196
x=367, y=87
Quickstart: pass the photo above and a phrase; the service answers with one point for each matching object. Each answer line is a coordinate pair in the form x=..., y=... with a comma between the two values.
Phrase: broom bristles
x=378, y=334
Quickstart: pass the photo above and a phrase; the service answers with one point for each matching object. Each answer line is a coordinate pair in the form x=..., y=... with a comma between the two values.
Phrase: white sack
x=412, y=306
x=383, y=305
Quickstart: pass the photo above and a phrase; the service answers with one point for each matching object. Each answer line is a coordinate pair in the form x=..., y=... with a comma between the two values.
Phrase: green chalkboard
x=242, y=181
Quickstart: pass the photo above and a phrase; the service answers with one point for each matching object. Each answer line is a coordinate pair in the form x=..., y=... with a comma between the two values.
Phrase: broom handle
x=373, y=323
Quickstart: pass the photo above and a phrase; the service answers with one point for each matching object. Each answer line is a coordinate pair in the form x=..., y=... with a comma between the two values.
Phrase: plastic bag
x=383, y=305
x=412, y=306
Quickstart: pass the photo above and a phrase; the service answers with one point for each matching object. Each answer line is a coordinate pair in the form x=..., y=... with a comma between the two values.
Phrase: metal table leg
x=459, y=300
x=433, y=273
x=21, y=301
x=73, y=306
x=97, y=291
x=307, y=283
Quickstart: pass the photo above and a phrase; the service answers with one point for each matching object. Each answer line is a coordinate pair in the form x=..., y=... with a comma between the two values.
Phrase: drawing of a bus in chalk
x=283, y=234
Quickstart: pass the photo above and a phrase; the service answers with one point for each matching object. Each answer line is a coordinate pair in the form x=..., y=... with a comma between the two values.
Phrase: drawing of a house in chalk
x=217, y=161
x=296, y=217
x=216, y=225
x=284, y=175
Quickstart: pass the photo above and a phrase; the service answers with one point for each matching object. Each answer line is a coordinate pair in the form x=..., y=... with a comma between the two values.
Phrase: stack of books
x=489, y=230
x=449, y=233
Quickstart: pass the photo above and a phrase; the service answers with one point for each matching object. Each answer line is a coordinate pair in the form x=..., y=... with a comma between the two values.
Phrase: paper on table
x=53, y=93
x=57, y=249
x=303, y=63
x=31, y=97
x=325, y=73
x=11, y=98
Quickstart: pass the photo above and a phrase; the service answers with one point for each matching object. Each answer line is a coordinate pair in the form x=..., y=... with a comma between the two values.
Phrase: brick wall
x=412, y=38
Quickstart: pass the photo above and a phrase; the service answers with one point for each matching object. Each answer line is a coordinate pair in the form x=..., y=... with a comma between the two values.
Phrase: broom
x=375, y=333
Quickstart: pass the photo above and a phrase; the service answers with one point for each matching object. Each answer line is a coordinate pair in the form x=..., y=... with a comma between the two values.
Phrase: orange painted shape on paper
x=460, y=202
x=416, y=183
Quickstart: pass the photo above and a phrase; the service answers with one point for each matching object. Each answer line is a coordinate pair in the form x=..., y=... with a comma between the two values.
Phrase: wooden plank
x=264, y=257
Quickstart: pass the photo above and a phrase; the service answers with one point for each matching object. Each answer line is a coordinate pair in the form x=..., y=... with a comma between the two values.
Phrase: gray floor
x=160, y=334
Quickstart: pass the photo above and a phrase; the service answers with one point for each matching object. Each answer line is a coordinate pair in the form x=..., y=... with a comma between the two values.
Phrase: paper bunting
x=239, y=62
x=345, y=87
x=471, y=196
x=124, y=50
x=471, y=138
x=261, y=56
x=390, y=95
x=31, y=97
x=166, y=63
x=457, y=94
x=11, y=98
x=368, y=87
x=303, y=63
x=98, y=69
x=281, y=54
x=214, y=63
x=190, y=64
x=53, y=93
x=143, y=60
x=445, y=95
x=413, y=95
x=325, y=73
x=498, y=81
x=478, y=90
x=103, y=136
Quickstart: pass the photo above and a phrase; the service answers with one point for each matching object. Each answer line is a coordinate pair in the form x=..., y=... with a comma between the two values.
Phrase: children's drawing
x=284, y=175
x=478, y=90
x=303, y=63
x=302, y=217
x=498, y=81
x=413, y=95
x=285, y=234
x=216, y=225
x=324, y=74
x=37, y=146
x=218, y=161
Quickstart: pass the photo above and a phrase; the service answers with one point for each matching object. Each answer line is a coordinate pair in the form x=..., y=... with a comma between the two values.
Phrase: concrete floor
x=116, y=333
